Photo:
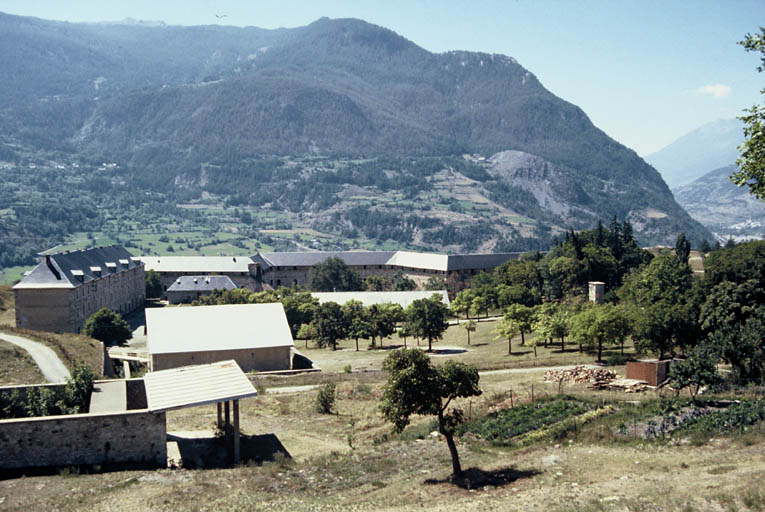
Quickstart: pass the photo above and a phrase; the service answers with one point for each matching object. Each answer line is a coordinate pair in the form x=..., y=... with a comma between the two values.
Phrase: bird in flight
x=219, y=16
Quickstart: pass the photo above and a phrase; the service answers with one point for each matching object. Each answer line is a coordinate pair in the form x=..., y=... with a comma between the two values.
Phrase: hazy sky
x=645, y=71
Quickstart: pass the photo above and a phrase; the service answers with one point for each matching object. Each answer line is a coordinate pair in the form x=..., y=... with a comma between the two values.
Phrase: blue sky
x=646, y=72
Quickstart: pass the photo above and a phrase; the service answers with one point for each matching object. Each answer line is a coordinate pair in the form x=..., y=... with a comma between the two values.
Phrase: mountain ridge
x=340, y=91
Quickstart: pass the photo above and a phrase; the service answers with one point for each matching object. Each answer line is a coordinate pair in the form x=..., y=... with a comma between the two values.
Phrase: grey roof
x=211, y=328
x=309, y=259
x=196, y=264
x=201, y=284
x=190, y=386
x=61, y=270
x=480, y=261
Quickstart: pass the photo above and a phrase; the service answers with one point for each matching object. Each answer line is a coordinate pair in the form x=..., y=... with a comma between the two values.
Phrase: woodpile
x=629, y=385
x=598, y=377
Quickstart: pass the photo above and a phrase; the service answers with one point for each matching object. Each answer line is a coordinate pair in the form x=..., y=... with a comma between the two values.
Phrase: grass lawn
x=484, y=351
x=17, y=367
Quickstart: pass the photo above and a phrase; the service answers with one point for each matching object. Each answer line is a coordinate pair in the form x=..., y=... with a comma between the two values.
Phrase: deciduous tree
x=415, y=386
x=428, y=318
x=751, y=165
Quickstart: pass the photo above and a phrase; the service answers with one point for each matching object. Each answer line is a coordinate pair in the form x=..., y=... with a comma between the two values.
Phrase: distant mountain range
x=323, y=120
x=726, y=209
x=711, y=146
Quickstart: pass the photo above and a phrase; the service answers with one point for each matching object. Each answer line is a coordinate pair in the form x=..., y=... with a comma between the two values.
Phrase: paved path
x=50, y=365
x=109, y=397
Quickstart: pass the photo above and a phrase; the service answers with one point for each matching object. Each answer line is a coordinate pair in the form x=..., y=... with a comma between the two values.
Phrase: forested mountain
x=308, y=120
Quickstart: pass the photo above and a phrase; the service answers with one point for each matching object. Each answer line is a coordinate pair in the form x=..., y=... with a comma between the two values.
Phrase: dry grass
x=17, y=367
x=69, y=347
x=384, y=472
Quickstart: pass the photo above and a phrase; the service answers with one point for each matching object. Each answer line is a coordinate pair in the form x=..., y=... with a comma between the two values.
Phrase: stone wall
x=259, y=359
x=133, y=437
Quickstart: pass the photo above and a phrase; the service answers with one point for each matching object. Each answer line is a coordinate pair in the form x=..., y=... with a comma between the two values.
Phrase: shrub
x=325, y=399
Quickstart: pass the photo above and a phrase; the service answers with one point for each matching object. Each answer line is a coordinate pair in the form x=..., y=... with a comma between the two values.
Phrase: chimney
x=49, y=264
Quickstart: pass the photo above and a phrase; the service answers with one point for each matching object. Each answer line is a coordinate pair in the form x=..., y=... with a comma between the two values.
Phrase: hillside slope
x=198, y=110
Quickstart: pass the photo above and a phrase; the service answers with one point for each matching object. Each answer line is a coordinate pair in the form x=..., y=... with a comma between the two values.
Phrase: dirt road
x=50, y=365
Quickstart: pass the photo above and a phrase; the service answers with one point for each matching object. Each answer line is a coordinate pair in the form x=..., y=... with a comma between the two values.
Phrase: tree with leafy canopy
x=435, y=283
x=376, y=284
x=743, y=346
x=469, y=326
x=429, y=318
x=698, y=370
x=682, y=248
x=463, y=302
x=415, y=386
x=551, y=321
x=382, y=320
x=329, y=324
x=333, y=274
x=402, y=283
x=306, y=332
x=357, y=320
x=107, y=326
x=480, y=304
x=665, y=307
x=153, y=284
x=751, y=165
x=507, y=328
x=299, y=307
x=523, y=316
x=600, y=324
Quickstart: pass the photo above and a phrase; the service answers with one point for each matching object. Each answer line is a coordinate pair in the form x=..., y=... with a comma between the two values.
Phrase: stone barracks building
x=64, y=289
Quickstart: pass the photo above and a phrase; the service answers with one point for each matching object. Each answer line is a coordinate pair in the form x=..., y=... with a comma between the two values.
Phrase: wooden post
x=228, y=419
x=220, y=415
x=236, y=432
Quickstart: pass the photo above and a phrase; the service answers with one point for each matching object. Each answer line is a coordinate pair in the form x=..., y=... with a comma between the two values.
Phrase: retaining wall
x=135, y=437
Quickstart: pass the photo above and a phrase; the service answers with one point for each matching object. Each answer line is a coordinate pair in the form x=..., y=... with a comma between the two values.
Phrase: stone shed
x=256, y=336
x=186, y=289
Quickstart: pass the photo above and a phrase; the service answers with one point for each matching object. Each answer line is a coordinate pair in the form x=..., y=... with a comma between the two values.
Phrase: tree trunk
x=580, y=347
x=545, y=342
x=535, y=351
x=509, y=346
x=622, y=347
x=523, y=339
x=334, y=344
x=600, y=350
x=430, y=344
x=468, y=337
x=562, y=344
x=449, y=436
x=357, y=344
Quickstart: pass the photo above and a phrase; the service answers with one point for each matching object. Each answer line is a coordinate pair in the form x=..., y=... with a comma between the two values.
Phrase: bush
x=347, y=368
x=73, y=398
x=107, y=326
x=325, y=399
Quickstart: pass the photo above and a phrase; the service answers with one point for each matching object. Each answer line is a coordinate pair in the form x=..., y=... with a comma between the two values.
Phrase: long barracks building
x=274, y=269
